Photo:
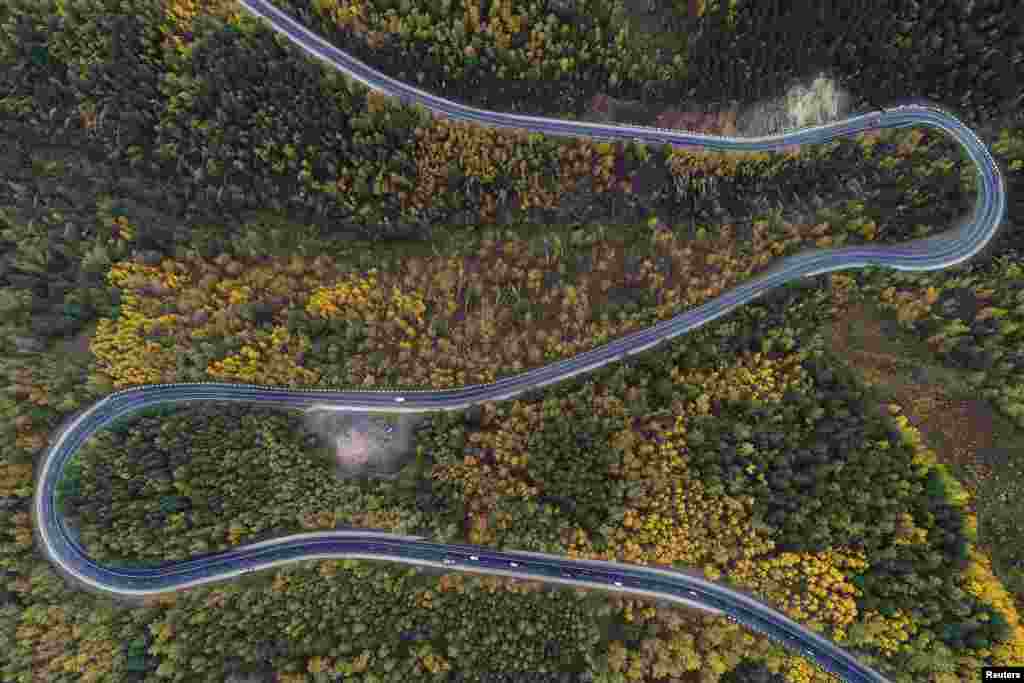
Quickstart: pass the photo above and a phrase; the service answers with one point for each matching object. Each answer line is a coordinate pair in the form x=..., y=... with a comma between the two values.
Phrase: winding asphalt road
x=59, y=545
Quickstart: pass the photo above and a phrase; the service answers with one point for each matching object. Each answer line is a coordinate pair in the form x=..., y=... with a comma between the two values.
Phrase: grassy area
x=981, y=446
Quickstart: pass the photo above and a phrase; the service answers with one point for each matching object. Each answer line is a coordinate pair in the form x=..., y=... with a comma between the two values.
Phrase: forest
x=185, y=196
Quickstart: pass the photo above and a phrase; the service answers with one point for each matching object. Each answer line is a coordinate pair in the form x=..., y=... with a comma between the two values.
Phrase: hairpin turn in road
x=961, y=242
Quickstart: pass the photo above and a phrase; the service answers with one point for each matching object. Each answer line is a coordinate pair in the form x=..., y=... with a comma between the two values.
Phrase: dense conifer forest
x=185, y=196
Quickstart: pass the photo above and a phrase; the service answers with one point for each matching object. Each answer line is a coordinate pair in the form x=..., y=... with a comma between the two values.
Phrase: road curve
x=59, y=545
